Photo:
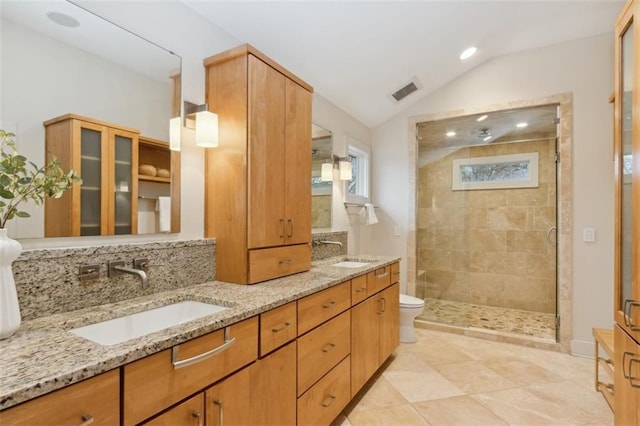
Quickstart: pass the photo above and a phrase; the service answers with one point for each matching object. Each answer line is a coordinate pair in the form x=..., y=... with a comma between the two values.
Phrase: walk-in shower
x=486, y=231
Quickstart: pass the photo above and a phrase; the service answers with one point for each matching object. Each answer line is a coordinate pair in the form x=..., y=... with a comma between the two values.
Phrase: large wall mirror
x=71, y=82
x=321, y=190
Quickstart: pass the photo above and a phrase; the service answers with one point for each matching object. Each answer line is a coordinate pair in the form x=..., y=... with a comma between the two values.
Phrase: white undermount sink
x=350, y=264
x=118, y=330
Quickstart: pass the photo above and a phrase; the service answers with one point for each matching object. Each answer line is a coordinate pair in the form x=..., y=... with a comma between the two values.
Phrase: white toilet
x=410, y=308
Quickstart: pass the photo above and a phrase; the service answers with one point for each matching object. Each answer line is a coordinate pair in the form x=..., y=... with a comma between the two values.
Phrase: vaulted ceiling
x=357, y=53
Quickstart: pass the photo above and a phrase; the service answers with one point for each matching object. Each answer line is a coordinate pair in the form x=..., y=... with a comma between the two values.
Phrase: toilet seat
x=407, y=301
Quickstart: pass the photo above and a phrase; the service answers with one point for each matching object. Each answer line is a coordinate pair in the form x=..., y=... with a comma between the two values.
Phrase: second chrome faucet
x=118, y=267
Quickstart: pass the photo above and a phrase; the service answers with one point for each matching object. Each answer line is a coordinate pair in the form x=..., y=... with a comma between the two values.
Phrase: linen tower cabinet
x=257, y=181
x=627, y=249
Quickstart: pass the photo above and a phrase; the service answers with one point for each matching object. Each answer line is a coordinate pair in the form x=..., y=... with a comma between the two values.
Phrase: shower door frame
x=564, y=209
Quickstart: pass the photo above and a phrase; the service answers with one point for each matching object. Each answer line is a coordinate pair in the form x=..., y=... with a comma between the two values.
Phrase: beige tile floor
x=450, y=379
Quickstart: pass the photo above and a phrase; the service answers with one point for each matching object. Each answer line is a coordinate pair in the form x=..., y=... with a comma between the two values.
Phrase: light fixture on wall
x=175, y=132
x=343, y=167
x=205, y=123
x=326, y=174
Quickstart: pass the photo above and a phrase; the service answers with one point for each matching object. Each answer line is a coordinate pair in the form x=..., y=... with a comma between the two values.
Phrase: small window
x=358, y=188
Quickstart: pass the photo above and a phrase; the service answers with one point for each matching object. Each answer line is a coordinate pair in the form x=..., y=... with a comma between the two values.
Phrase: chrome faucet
x=117, y=267
x=318, y=242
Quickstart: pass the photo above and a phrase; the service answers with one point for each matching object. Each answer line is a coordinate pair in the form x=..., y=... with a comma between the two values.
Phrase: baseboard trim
x=582, y=348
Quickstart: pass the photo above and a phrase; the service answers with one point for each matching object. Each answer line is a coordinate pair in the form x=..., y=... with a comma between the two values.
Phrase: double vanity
x=293, y=350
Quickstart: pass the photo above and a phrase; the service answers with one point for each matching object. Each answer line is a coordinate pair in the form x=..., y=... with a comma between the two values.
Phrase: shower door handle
x=553, y=228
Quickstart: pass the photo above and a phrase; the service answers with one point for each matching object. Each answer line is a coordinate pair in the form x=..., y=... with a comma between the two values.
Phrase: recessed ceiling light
x=486, y=138
x=482, y=118
x=521, y=125
x=451, y=133
x=468, y=52
x=63, y=19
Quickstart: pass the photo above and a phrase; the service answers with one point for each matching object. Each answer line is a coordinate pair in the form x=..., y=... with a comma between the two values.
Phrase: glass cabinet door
x=92, y=155
x=627, y=298
x=125, y=148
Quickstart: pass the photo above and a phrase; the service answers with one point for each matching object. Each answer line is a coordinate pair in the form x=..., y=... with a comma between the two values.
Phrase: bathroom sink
x=118, y=330
x=351, y=264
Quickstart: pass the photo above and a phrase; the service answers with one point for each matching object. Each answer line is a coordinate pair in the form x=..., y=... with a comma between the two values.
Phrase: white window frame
x=363, y=184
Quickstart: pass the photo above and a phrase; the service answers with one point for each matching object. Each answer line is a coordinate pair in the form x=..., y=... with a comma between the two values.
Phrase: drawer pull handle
x=290, y=223
x=87, y=419
x=218, y=402
x=197, y=415
x=279, y=329
x=384, y=305
x=386, y=274
x=329, y=305
x=628, y=319
x=633, y=381
x=329, y=400
x=285, y=261
x=361, y=289
x=380, y=306
x=329, y=347
x=282, y=228
x=228, y=341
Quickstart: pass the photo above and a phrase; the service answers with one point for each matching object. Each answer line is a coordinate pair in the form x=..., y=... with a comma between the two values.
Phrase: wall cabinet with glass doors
x=627, y=249
x=105, y=155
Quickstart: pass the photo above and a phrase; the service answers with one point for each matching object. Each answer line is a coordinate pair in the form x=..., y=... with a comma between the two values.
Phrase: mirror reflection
x=321, y=190
x=100, y=99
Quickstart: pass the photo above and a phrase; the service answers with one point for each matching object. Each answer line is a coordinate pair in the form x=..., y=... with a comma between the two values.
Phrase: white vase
x=9, y=308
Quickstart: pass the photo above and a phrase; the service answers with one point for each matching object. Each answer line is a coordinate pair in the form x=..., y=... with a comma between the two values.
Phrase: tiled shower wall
x=488, y=247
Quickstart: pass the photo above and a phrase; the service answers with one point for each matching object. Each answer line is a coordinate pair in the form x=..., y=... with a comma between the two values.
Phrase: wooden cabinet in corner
x=257, y=198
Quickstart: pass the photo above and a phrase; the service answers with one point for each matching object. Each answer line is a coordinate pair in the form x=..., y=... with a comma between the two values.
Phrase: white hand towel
x=372, y=219
x=163, y=207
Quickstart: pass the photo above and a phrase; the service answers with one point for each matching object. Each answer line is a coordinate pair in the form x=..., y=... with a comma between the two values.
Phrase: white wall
x=341, y=124
x=583, y=67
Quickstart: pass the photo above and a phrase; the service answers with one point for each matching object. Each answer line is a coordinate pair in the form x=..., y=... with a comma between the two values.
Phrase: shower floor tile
x=514, y=321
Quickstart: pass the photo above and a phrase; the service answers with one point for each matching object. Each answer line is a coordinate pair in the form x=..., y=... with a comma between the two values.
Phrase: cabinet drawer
x=378, y=280
x=315, y=309
x=97, y=398
x=358, y=289
x=277, y=327
x=321, y=349
x=154, y=383
x=321, y=404
x=270, y=263
x=395, y=272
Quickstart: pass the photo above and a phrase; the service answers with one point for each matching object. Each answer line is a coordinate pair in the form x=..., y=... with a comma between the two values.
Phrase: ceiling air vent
x=413, y=86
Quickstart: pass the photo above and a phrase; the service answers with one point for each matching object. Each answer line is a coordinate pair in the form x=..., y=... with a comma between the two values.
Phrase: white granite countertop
x=44, y=356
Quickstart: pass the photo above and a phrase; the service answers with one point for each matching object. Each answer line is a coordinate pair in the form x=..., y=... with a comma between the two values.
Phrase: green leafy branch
x=21, y=180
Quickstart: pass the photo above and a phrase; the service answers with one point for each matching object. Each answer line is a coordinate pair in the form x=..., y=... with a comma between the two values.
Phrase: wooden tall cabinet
x=106, y=157
x=257, y=196
x=627, y=249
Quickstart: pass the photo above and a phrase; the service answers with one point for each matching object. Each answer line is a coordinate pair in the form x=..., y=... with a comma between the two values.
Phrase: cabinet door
x=273, y=389
x=189, y=413
x=297, y=195
x=390, y=321
x=93, y=211
x=627, y=157
x=123, y=182
x=365, y=342
x=627, y=379
x=266, y=221
x=229, y=402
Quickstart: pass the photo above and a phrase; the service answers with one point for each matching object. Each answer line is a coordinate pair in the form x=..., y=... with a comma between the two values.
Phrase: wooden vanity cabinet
x=257, y=198
x=627, y=247
x=105, y=155
x=94, y=401
x=156, y=382
x=375, y=331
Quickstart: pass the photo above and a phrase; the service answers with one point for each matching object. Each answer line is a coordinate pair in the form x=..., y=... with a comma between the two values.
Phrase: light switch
x=589, y=235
